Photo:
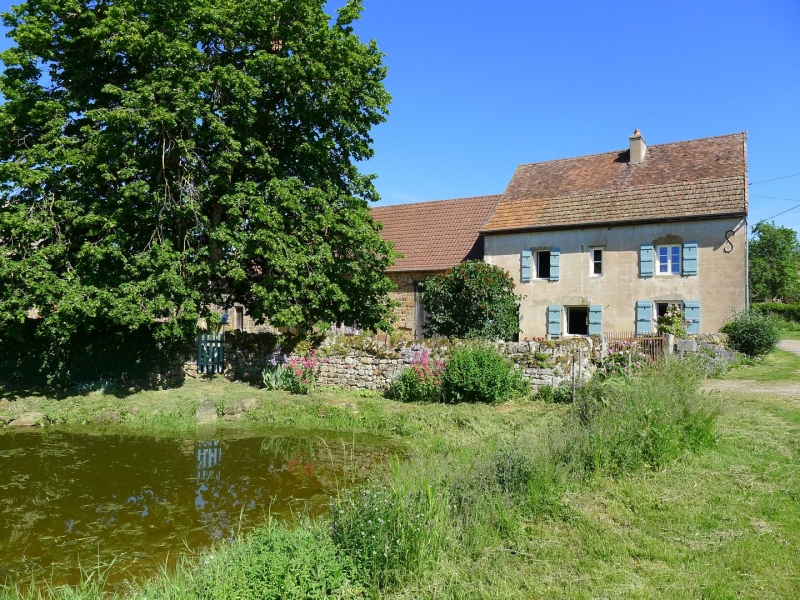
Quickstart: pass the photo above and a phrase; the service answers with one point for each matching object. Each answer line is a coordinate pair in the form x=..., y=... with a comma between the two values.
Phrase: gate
x=210, y=353
x=652, y=346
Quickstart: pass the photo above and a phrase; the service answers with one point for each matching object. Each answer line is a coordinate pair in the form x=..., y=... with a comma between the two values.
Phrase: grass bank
x=644, y=490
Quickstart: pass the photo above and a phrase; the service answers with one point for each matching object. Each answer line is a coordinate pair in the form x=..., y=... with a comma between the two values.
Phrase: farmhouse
x=604, y=243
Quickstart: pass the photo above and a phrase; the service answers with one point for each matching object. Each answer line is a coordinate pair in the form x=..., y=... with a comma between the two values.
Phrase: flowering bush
x=304, y=371
x=672, y=321
x=296, y=374
x=421, y=382
x=628, y=359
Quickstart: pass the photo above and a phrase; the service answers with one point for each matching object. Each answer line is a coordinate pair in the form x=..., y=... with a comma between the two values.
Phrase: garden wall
x=364, y=362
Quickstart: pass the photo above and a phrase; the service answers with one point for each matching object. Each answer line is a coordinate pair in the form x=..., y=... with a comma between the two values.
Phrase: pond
x=76, y=499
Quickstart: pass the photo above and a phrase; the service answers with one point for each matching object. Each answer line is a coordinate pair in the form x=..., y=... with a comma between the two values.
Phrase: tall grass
x=621, y=425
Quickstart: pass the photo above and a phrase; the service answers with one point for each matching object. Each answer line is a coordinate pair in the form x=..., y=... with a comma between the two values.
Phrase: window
x=597, y=262
x=239, y=325
x=578, y=320
x=543, y=265
x=661, y=307
x=669, y=260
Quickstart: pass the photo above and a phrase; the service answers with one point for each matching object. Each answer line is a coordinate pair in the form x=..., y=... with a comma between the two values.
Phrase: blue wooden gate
x=210, y=353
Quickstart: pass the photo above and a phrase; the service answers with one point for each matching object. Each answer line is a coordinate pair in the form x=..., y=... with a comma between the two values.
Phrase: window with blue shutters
x=527, y=265
x=555, y=263
x=690, y=258
x=644, y=316
x=554, y=320
x=595, y=319
x=647, y=260
x=669, y=260
x=691, y=314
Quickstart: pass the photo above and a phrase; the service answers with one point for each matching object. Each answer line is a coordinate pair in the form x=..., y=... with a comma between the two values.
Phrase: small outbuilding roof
x=702, y=178
x=436, y=235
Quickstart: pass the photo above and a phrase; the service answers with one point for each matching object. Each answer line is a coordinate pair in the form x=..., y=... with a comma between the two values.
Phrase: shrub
x=753, y=333
x=277, y=562
x=714, y=360
x=560, y=394
x=302, y=373
x=473, y=300
x=421, y=382
x=480, y=374
x=619, y=425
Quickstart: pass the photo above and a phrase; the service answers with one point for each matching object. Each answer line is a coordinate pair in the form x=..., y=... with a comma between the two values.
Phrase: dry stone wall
x=366, y=363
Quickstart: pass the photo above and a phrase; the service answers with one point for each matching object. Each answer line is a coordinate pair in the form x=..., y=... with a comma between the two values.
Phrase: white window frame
x=671, y=264
x=592, y=262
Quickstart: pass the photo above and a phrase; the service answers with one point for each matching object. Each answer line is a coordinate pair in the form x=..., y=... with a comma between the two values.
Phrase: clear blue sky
x=481, y=87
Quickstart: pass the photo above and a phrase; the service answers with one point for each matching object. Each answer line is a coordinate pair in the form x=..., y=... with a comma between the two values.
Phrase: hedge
x=787, y=312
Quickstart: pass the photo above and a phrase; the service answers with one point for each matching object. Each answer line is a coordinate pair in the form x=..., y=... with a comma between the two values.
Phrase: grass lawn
x=720, y=522
x=778, y=366
x=791, y=335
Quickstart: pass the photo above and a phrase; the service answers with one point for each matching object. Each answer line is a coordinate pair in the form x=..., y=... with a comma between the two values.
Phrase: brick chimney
x=638, y=148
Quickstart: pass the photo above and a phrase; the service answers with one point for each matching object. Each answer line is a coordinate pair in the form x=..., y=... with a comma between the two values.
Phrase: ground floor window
x=661, y=307
x=577, y=320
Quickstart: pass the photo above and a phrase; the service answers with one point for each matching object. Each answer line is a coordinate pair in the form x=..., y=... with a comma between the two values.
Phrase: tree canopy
x=774, y=254
x=473, y=300
x=158, y=157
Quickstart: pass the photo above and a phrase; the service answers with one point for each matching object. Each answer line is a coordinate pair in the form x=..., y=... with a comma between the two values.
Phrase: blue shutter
x=691, y=314
x=644, y=316
x=554, y=319
x=555, y=262
x=647, y=260
x=527, y=261
x=689, y=266
x=595, y=319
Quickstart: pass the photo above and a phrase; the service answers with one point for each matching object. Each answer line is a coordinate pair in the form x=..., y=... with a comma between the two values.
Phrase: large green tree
x=774, y=263
x=160, y=156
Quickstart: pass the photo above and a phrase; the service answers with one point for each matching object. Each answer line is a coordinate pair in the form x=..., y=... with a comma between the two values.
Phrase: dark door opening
x=578, y=320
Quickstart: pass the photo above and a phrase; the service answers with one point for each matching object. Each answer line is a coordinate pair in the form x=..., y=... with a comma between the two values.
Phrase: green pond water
x=73, y=499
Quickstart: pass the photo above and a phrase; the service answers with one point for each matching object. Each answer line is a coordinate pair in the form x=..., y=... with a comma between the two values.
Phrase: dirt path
x=790, y=346
x=789, y=389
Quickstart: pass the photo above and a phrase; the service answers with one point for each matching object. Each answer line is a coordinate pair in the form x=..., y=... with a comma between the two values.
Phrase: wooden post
x=573, y=379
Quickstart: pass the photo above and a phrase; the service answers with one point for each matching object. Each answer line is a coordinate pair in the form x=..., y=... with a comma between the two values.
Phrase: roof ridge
x=555, y=160
x=440, y=200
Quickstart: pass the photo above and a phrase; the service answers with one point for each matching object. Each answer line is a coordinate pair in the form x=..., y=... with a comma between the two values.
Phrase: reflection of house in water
x=209, y=455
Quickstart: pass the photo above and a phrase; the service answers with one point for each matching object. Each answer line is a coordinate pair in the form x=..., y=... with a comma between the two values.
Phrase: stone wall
x=364, y=362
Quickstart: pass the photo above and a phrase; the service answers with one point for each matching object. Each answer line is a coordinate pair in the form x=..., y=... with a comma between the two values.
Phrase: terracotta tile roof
x=703, y=177
x=434, y=236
